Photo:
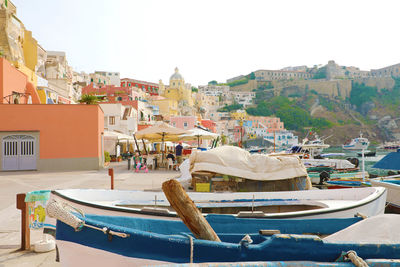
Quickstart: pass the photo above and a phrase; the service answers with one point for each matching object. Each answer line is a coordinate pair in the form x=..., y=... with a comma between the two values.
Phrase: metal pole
x=363, y=165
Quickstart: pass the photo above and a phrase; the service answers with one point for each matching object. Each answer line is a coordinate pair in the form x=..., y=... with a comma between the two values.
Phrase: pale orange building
x=15, y=87
x=45, y=137
x=51, y=137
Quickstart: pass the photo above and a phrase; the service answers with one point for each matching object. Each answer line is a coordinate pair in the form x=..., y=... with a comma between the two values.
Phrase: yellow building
x=16, y=43
x=239, y=115
x=167, y=107
x=178, y=92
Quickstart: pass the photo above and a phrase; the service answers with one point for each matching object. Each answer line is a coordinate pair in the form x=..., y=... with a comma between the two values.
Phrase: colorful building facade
x=51, y=137
x=149, y=87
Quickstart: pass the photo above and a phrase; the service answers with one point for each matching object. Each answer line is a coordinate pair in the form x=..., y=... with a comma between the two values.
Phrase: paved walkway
x=12, y=183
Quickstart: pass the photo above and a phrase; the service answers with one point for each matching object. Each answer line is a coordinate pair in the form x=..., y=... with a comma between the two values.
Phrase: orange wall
x=11, y=80
x=66, y=131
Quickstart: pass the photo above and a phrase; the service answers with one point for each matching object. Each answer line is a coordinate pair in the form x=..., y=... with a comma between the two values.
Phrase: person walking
x=178, y=153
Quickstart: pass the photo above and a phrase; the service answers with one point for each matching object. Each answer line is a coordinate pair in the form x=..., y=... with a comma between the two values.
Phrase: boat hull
x=101, y=258
x=393, y=191
x=344, y=203
x=171, y=242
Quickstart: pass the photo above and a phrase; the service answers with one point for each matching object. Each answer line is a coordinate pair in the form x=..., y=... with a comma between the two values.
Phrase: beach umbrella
x=389, y=162
x=197, y=134
x=160, y=131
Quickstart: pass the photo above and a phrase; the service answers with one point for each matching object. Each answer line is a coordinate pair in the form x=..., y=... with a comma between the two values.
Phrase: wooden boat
x=339, y=184
x=367, y=153
x=96, y=240
x=318, y=177
x=343, y=203
x=393, y=192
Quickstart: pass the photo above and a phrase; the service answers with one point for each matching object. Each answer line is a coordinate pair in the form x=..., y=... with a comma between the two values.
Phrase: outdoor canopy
x=197, y=134
x=389, y=162
x=116, y=136
x=160, y=131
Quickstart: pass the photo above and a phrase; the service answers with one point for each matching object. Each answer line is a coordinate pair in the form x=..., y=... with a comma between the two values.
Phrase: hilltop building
x=149, y=87
x=269, y=75
x=393, y=70
x=177, y=95
x=113, y=77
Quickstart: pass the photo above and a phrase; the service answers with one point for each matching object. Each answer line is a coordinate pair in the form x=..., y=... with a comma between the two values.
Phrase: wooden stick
x=137, y=146
x=144, y=146
x=25, y=231
x=187, y=211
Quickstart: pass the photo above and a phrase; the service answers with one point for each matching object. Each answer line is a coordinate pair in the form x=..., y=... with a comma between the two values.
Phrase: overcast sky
x=214, y=39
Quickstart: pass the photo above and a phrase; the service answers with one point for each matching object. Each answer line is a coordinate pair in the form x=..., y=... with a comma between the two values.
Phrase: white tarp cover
x=231, y=160
x=381, y=229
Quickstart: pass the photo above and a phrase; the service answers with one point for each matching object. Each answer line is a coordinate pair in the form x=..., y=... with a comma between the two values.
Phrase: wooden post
x=137, y=146
x=187, y=211
x=144, y=146
x=25, y=231
x=111, y=173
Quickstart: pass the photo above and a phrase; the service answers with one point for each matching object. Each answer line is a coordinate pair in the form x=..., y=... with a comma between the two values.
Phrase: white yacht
x=358, y=143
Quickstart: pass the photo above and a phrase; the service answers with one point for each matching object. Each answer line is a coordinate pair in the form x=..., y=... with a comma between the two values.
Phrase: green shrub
x=107, y=157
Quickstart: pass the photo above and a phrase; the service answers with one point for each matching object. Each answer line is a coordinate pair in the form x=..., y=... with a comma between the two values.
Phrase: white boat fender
x=44, y=245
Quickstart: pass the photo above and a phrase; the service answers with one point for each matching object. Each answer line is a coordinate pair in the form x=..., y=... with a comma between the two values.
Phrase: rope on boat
x=191, y=248
x=63, y=212
x=359, y=214
x=356, y=260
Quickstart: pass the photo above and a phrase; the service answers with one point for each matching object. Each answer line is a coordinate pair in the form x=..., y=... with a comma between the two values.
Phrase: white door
x=19, y=152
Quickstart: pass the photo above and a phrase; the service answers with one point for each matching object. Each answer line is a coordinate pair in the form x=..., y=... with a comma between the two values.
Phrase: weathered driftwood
x=187, y=211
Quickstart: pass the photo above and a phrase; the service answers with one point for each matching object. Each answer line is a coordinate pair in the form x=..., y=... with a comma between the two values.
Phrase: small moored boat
x=94, y=240
x=358, y=143
x=340, y=203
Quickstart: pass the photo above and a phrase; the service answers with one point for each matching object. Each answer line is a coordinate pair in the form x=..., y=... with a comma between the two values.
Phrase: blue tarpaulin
x=390, y=162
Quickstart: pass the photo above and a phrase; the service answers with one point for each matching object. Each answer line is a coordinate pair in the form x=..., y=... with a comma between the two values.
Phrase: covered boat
x=229, y=168
x=340, y=203
x=94, y=240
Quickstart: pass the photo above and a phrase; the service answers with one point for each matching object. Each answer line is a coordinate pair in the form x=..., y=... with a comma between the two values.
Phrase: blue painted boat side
x=349, y=183
x=371, y=263
x=169, y=240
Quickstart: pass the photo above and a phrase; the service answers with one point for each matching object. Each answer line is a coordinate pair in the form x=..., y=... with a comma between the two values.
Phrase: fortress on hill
x=331, y=80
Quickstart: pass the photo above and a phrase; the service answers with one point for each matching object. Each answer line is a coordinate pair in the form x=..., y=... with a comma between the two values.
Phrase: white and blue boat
x=358, y=143
x=393, y=189
x=390, y=162
x=96, y=240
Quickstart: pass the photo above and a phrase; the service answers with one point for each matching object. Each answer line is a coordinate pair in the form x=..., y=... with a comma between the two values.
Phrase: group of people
x=139, y=163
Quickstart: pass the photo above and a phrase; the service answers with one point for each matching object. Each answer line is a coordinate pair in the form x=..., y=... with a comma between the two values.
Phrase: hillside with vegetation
x=372, y=111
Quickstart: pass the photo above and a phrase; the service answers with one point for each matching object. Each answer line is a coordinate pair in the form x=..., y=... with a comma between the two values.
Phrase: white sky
x=214, y=39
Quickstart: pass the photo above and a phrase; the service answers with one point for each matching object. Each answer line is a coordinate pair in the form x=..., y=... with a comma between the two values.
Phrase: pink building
x=238, y=133
x=273, y=124
x=183, y=122
x=112, y=92
x=209, y=124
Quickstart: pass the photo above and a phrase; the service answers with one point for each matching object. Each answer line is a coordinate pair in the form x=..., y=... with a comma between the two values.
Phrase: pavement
x=12, y=183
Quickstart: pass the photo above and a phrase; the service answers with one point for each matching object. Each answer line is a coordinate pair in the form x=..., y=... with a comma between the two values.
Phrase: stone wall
x=340, y=88
x=379, y=82
x=249, y=86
